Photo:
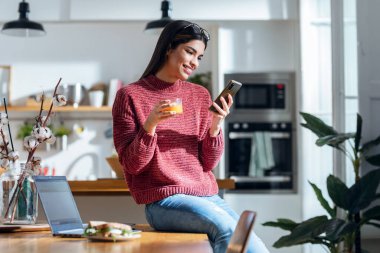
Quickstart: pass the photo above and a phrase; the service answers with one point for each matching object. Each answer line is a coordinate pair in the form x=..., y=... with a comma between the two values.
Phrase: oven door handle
x=273, y=135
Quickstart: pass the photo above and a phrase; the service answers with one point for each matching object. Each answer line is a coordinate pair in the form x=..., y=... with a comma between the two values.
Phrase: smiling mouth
x=187, y=69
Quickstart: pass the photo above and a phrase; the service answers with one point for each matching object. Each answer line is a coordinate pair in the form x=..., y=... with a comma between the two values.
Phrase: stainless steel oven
x=260, y=155
x=260, y=132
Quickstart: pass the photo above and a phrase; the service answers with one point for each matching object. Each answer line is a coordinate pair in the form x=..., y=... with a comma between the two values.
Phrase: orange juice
x=175, y=106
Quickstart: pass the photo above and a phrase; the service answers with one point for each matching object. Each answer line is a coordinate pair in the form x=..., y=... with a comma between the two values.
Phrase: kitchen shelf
x=119, y=186
x=59, y=109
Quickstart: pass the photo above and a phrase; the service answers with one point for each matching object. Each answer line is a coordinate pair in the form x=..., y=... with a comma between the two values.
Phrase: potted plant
x=25, y=130
x=61, y=132
x=356, y=201
x=203, y=79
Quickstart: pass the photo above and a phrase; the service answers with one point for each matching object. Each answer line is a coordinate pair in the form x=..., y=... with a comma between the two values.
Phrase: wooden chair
x=240, y=237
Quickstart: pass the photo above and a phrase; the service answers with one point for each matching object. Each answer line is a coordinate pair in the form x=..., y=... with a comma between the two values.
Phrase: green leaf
x=358, y=136
x=337, y=229
x=332, y=228
x=373, y=224
x=338, y=192
x=372, y=213
x=61, y=131
x=324, y=140
x=369, y=145
x=285, y=224
x=317, y=126
x=363, y=192
x=287, y=241
x=307, y=231
x=323, y=201
x=374, y=160
x=334, y=140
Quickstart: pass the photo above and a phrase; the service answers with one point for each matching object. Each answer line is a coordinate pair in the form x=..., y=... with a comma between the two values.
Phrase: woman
x=168, y=157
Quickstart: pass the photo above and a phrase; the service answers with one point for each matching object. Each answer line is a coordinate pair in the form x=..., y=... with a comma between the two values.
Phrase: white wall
x=63, y=10
x=369, y=84
x=258, y=46
x=89, y=53
x=269, y=207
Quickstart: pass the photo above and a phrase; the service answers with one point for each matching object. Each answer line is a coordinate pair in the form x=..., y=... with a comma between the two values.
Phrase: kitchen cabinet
x=59, y=109
x=62, y=113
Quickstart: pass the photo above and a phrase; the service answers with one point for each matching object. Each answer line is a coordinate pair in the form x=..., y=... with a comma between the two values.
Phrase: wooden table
x=119, y=186
x=150, y=242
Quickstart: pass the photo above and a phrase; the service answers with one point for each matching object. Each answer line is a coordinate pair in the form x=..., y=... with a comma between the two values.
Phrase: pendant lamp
x=23, y=27
x=156, y=26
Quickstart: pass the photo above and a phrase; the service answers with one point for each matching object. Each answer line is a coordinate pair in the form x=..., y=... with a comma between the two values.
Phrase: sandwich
x=110, y=230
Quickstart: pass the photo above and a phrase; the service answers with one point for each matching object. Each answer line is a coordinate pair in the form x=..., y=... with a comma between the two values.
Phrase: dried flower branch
x=41, y=133
x=9, y=127
x=41, y=108
x=52, y=103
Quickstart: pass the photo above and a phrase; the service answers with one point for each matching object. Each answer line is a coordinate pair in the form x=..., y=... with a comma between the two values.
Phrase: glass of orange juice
x=175, y=106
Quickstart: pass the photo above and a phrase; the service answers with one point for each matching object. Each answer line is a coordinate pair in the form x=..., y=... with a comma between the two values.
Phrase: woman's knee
x=222, y=230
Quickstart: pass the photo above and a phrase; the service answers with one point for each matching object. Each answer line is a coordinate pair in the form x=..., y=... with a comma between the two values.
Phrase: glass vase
x=19, y=205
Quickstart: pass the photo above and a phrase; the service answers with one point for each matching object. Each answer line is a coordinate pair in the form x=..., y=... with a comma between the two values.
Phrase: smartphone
x=232, y=88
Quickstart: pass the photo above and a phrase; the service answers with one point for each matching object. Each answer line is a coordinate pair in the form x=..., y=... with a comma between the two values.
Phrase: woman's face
x=184, y=59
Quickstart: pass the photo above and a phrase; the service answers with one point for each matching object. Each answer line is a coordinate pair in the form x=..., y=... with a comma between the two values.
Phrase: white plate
x=115, y=238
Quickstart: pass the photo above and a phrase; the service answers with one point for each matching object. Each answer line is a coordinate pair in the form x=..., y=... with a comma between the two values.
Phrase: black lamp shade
x=156, y=26
x=23, y=27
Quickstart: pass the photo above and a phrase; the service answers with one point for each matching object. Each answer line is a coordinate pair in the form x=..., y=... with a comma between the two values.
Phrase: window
x=317, y=94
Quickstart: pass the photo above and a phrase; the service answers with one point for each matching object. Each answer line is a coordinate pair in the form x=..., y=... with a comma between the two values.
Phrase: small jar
x=19, y=205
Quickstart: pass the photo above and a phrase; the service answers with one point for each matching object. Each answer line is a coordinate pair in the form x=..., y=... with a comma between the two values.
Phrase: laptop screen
x=58, y=203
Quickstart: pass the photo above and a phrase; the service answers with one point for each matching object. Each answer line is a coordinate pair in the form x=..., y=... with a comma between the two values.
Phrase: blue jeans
x=210, y=215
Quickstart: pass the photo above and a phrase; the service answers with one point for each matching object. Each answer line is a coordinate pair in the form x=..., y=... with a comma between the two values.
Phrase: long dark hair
x=174, y=33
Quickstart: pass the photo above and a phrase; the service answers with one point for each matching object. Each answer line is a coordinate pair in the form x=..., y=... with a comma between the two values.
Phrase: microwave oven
x=261, y=96
x=264, y=93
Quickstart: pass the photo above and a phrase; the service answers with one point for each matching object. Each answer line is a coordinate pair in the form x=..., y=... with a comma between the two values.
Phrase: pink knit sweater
x=180, y=156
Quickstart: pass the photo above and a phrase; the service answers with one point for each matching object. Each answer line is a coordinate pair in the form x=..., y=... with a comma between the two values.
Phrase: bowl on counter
x=115, y=165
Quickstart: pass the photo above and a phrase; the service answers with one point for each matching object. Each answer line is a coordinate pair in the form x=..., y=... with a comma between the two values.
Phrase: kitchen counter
x=119, y=186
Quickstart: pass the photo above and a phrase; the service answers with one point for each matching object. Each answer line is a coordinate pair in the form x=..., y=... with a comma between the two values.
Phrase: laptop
x=59, y=205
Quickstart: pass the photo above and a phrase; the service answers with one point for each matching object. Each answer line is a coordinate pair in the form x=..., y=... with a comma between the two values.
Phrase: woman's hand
x=217, y=118
x=157, y=115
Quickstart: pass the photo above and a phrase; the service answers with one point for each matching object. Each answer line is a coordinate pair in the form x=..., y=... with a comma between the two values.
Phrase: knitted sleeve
x=210, y=148
x=211, y=151
x=133, y=144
